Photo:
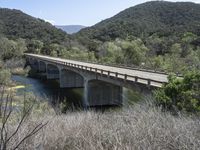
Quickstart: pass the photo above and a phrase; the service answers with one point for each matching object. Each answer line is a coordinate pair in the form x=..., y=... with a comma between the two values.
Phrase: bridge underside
x=70, y=79
x=103, y=93
x=42, y=67
x=33, y=64
x=52, y=72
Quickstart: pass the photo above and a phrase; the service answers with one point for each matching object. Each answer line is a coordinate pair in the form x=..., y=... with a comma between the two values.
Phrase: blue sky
x=68, y=12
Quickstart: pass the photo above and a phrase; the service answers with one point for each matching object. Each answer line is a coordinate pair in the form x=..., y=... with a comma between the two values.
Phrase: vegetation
x=15, y=24
x=123, y=52
x=168, y=31
x=21, y=33
x=183, y=94
x=144, y=20
x=15, y=112
x=165, y=36
x=5, y=76
x=12, y=122
x=140, y=127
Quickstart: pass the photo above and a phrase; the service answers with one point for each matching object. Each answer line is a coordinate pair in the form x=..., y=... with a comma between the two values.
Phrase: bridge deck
x=151, y=78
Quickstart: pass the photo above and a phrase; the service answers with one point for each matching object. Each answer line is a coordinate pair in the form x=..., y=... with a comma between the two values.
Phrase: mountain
x=159, y=17
x=16, y=24
x=70, y=29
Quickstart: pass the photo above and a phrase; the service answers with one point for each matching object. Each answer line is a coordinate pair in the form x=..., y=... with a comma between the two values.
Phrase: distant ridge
x=70, y=29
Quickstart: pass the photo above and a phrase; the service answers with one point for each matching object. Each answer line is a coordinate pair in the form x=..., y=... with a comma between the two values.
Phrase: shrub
x=139, y=127
x=5, y=76
x=183, y=94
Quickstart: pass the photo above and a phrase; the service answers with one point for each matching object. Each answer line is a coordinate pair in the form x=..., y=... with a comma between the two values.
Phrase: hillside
x=145, y=19
x=20, y=32
x=70, y=29
x=157, y=34
x=16, y=24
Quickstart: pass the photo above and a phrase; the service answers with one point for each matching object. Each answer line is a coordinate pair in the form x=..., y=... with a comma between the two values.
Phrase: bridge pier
x=33, y=64
x=52, y=72
x=70, y=79
x=42, y=67
x=101, y=93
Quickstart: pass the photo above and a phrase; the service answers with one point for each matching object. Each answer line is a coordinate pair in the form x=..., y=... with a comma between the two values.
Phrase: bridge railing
x=126, y=66
x=124, y=77
x=131, y=67
x=117, y=75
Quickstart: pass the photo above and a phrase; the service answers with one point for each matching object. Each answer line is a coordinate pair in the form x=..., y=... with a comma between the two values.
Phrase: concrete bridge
x=103, y=84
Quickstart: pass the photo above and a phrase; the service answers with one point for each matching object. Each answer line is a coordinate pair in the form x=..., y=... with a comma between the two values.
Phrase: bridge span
x=102, y=84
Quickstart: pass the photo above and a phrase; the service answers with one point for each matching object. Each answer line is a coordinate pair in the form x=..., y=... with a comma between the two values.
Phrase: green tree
x=109, y=52
x=8, y=48
x=34, y=46
x=21, y=47
x=183, y=94
x=176, y=49
x=134, y=51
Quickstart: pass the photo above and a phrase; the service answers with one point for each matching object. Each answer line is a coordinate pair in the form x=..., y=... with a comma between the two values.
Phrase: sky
x=73, y=12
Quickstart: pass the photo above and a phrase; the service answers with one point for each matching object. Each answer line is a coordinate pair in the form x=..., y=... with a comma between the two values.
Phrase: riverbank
x=20, y=71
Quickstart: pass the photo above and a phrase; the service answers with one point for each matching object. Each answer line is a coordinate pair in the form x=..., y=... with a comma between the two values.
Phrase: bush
x=5, y=77
x=183, y=94
x=13, y=119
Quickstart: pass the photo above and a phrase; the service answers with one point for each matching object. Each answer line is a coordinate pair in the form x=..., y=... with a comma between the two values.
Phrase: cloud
x=50, y=21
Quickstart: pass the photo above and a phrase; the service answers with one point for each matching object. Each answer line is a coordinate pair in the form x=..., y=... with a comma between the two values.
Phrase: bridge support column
x=52, y=72
x=42, y=67
x=103, y=93
x=70, y=79
x=33, y=64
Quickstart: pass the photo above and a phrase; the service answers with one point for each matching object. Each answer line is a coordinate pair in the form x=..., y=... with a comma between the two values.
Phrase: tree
x=181, y=93
x=20, y=48
x=134, y=51
x=176, y=49
x=34, y=46
x=12, y=49
x=109, y=52
x=7, y=48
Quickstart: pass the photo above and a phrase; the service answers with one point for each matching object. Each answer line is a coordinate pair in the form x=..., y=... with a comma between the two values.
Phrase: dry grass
x=140, y=127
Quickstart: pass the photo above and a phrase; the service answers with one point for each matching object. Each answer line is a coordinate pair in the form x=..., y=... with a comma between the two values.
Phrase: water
x=49, y=90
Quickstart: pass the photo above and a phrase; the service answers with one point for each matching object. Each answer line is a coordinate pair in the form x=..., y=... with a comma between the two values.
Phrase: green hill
x=21, y=33
x=145, y=19
x=156, y=34
x=16, y=24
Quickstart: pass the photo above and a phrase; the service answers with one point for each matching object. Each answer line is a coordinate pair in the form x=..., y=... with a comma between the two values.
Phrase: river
x=49, y=90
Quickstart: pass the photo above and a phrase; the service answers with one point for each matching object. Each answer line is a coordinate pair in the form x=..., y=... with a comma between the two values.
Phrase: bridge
x=103, y=84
